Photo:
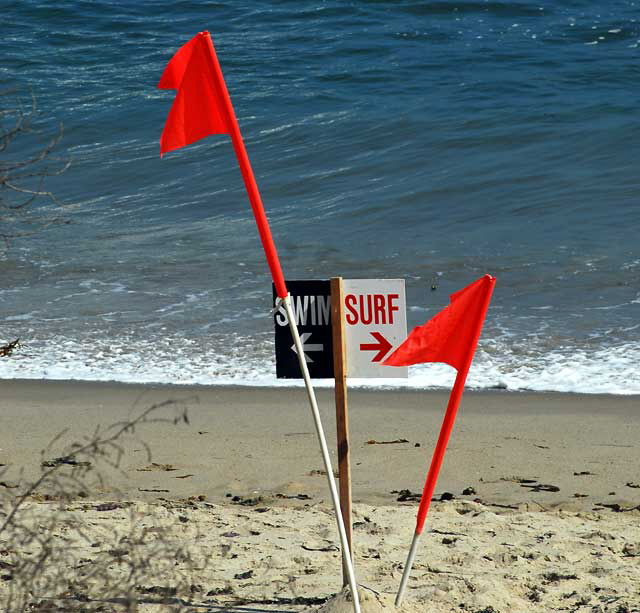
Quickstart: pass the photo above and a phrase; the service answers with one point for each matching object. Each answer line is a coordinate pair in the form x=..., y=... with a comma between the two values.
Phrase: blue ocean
x=428, y=141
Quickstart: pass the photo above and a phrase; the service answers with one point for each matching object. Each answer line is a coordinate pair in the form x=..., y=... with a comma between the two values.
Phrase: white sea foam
x=181, y=361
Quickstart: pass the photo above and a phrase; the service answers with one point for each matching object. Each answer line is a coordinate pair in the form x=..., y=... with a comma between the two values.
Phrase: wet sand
x=255, y=441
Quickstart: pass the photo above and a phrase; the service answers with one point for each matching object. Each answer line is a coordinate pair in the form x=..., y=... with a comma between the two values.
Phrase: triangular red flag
x=174, y=71
x=452, y=335
x=199, y=107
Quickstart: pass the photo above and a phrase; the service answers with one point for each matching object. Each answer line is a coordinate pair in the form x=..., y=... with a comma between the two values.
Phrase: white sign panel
x=375, y=313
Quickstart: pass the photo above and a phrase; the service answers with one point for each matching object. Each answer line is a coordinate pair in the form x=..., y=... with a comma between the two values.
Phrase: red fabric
x=452, y=335
x=202, y=106
x=199, y=107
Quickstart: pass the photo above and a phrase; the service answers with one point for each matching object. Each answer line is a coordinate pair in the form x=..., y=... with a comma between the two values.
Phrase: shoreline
x=357, y=388
x=360, y=384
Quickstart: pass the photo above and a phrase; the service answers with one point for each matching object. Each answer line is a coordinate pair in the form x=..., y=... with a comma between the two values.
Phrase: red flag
x=199, y=107
x=202, y=106
x=452, y=335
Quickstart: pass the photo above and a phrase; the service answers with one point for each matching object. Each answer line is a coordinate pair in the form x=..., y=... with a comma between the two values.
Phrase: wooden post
x=342, y=414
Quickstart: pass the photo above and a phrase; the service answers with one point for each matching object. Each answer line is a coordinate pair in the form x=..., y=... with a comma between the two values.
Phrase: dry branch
x=56, y=555
x=27, y=159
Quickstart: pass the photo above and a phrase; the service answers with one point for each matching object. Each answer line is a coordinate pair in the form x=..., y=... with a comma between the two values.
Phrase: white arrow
x=313, y=347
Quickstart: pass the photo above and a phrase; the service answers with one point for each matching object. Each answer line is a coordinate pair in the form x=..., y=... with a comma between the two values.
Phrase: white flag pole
x=346, y=553
x=407, y=568
x=221, y=102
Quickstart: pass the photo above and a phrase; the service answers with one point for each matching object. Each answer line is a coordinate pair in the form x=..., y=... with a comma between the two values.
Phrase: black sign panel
x=311, y=304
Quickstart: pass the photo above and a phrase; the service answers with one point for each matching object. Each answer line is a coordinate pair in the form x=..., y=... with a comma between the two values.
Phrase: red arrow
x=382, y=346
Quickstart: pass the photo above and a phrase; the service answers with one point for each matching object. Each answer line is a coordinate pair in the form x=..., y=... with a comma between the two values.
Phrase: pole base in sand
x=407, y=569
x=346, y=552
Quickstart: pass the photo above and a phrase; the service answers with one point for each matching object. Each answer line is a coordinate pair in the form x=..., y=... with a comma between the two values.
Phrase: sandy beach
x=548, y=520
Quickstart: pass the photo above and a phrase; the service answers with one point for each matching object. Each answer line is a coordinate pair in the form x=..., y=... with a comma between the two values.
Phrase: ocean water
x=430, y=141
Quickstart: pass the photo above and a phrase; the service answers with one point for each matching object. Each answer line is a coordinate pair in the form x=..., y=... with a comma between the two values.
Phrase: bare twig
x=26, y=206
x=52, y=549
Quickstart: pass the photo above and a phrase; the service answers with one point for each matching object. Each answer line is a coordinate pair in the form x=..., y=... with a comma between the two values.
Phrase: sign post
x=347, y=328
x=342, y=412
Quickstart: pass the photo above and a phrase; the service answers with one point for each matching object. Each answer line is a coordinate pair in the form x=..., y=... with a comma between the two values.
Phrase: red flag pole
x=249, y=179
x=281, y=289
x=441, y=445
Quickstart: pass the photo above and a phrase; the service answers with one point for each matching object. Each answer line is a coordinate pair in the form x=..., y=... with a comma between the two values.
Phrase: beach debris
x=469, y=491
x=295, y=600
x=153, y=490
x=220, y=591
x=9, y=348
x=617, y=508
x=540, y=487
x=183, y=476
x=111, y=506
x=633, y=485
x=159, y=590
x=513, y=507
x=395, y=442
x=576, y=495
x=542, y=446
x=230, y=535
x=294, y=496
x=365, y=520
x=154, y=466
x=67, y=459
x=582, y=473
x=246, y=575
x=555, y=577
x=247, y=502
x=446, y=496
x=514, y=479
x=535, y=595
x=325, y=548
x=407, y=496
